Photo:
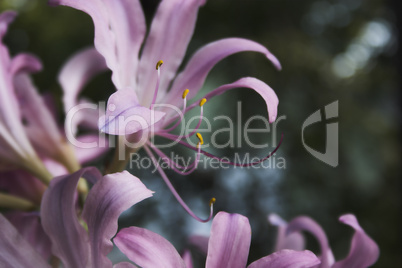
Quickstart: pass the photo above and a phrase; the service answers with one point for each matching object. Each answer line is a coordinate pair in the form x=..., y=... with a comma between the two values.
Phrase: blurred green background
x=339, y=50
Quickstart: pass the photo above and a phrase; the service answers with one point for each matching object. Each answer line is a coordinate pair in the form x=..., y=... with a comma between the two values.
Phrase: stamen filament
x=169, y=136
x=196, y=127
x=158, y=68
x=186, y=170
x=192, y=106
x=184, y=96
x=174, y=192
x=199, y=136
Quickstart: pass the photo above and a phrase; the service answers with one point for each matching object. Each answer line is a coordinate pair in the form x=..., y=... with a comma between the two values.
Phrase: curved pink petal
x=304, y=223
x=40, y=125
x=119, y=31
x=9, y=111
x=10, y=151
x=59, y=219
x=287, y=259
x=147, y=249
x=127, y=22
x=6, y=18
x=15, y=250
x=201, y=63
x=364, y=252
x=294, y=241
x=125, y=116
x=258, y=86
x=77, y=72
x=108, y=198
x=54, y=167
x=170, y=33
x=12, y=133
x=25, y=63
x=187, y=258
x=29, y=226
x=229, y=242
x=84, y=115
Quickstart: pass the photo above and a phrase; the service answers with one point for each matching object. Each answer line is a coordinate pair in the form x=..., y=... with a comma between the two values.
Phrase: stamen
x=185, y=92
x=173, y=138
x=199, y=136
x=184, y=96
x=158, y=65
x=202, y=102
x=174, y=192
x=212, y=201
x=198, y=124
x=185, y=170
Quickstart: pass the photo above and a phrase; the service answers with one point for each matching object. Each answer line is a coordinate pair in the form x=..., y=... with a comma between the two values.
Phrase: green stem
x=68, y=159
x=15, y=202
x=36, y=167
x=118, y=163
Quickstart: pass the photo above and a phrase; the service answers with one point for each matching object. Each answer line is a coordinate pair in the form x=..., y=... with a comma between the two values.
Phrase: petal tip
x=276, y=220
x=274, y=61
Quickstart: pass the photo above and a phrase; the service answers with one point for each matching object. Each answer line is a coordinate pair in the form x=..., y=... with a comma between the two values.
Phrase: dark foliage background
x=345, y=50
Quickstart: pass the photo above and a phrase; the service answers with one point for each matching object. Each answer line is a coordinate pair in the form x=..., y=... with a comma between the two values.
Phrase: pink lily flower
x=75, y=241
x=44, y=133
x=364, y=252
x=30, y=138
x=228, y=246
x=40, y=134
x=134, y=111
x=16, y=151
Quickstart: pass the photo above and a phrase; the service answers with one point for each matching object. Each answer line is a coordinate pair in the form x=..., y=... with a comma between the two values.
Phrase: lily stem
x=39, y=170
x=71, y=163
x=120, y=159
x=15, y=202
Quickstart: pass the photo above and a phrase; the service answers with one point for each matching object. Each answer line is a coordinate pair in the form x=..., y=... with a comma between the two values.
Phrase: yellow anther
x=185, y=92
x=199, y=136
x=158, y=64
x=203, y=101
x=212, y=201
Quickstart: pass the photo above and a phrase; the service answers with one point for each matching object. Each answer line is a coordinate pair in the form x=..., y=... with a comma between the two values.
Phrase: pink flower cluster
x=52, y=218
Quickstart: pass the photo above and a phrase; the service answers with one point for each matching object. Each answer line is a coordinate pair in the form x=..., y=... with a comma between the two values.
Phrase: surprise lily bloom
x=363, y=250
x=30, y=139
x=77, y=242
x=228, y=247
x=16, y=151
x=120, y=30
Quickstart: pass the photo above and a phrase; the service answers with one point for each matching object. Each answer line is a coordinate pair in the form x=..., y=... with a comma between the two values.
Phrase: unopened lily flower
x=61, y=235
x=364, y=252
x=228, y=247
x=151, y=97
